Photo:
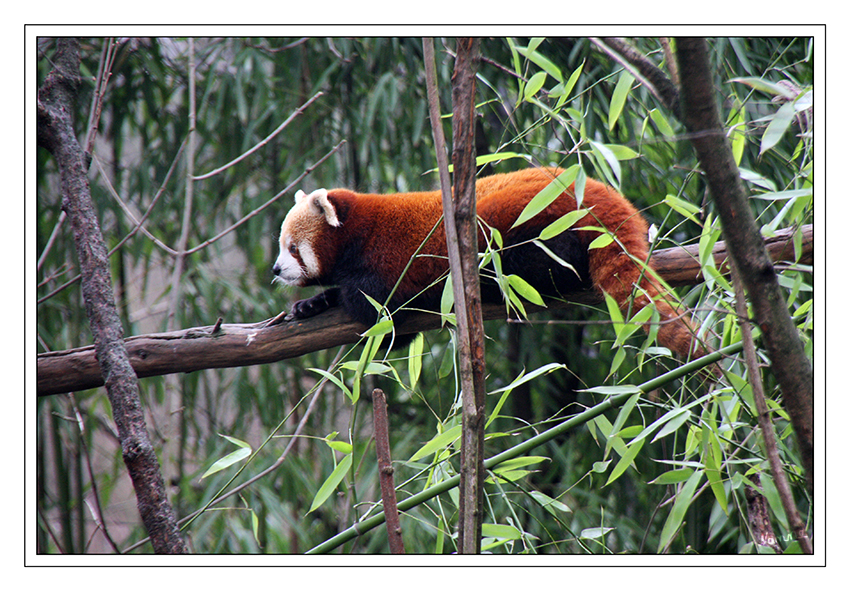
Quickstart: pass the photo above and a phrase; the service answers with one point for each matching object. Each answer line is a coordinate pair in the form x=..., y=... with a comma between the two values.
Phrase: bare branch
x=643, y=69
x=385, y=471
x=280, y=128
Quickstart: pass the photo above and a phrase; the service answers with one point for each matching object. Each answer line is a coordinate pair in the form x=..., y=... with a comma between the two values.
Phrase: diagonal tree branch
x=792, y=368
x=55, y=132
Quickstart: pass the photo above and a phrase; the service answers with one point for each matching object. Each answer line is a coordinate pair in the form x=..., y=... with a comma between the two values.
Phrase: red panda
x=361, y=243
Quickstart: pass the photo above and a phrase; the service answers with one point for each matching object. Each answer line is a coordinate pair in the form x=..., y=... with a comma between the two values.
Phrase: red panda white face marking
x=302, y=228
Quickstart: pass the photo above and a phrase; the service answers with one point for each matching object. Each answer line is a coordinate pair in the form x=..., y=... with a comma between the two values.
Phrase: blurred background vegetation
x=541, y=102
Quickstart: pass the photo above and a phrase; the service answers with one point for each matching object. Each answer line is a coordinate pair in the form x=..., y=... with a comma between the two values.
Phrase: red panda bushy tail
x=616, y=273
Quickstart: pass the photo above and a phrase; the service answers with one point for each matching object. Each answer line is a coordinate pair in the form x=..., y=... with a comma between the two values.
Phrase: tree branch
x=792, y=368
x=643, y=69
x=463, y=259
x=238, y=345
x=385, y=471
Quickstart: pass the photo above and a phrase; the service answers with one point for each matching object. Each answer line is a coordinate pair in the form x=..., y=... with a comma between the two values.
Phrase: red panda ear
x=320, y=202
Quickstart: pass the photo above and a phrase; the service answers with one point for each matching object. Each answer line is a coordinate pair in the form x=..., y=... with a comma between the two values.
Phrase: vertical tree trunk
x=468, y=306
x=460, y=219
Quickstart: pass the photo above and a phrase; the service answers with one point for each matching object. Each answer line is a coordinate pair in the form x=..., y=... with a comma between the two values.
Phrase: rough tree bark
x=464, y=266
x=459, y=218
x=790, y=365
x=55, y=132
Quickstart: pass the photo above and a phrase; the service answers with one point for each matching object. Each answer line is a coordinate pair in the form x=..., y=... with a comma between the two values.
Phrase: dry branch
x=237, y=345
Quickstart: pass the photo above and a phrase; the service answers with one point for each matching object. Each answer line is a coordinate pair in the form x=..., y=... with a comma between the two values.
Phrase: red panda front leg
x=315, y=305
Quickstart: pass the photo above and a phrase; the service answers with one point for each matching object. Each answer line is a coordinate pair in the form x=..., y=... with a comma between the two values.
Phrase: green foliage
x=664, y=472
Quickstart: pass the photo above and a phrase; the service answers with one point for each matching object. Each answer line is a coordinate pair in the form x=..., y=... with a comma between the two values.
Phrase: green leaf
x=605, y=154
x=580, y=182
x=549, y=503
x=563, y=223
x=680, y=508
x=340, y=446
x=687, y=209
x=613, y=390
x=673, y=423
x=620, y=152
x=781, y=121
x=447, y=299
x=618, y=98
x=499, y=156
x=661, y=122
x=333, y=378
x=622, y=416
x=563, y=90
x=548, y=194
x=414, y=359
x=780, y=195
x=616, y=314
x=591, y=533
x=673, y=476
x=523, y=377
x=626, y=460
x=440, y=441
x=555, y=257
x=525, y=289
x=520, y=379
x=233, y=457
x=600, y=467
x=520, y=462
x=534, y=84
x=737, y=130
x=506, y=532
x=545, y=64
x=382, y=327
x=330, y=484
x=601, y=241
x=765, y=86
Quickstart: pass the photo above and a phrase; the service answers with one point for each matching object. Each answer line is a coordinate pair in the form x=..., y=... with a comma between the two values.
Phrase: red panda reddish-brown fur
x=377, y=235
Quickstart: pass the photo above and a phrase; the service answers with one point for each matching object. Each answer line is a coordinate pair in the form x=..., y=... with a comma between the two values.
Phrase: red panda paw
x=313, y=306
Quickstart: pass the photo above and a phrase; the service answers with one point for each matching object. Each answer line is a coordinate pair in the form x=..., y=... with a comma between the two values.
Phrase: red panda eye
x=293, y=249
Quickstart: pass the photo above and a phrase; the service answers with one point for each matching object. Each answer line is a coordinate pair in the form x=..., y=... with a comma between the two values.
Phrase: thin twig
x=138, y=224
x=286, y=190
x=765, y=422
x=97, y=510
x=280, y=128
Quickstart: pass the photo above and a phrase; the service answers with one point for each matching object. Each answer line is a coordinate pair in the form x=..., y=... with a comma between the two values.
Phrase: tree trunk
x=56, y=133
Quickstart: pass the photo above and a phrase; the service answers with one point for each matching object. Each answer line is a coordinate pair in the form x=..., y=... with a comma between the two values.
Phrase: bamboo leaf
x=680, y=508
x=438, y=442
x=618, y=98
x=233, y=457
x=330, y=484
x=547, y=195
x=781, y=121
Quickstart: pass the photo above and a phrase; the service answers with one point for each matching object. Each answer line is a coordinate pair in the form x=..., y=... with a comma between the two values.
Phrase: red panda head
x=302, y=235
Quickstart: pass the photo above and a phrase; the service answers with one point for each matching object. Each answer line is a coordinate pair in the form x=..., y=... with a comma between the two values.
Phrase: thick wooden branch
x=237, y=345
